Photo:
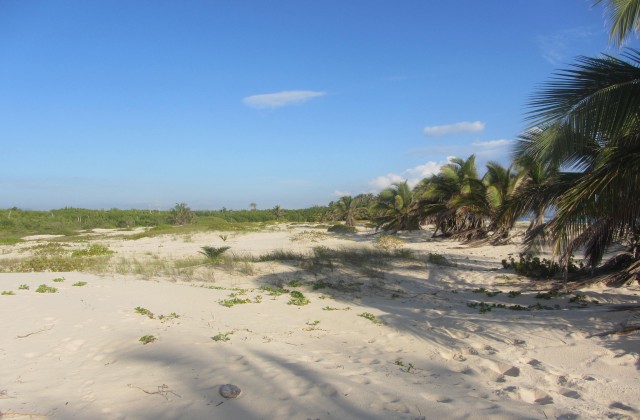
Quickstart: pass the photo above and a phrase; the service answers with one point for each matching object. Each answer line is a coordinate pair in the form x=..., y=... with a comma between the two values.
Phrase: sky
x=145, y=104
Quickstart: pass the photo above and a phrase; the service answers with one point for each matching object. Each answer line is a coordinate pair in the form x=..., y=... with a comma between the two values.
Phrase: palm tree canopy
x=624, y=16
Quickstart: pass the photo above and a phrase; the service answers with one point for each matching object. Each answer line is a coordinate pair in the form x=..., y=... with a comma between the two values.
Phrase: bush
x=531, y=266
x=342, y=229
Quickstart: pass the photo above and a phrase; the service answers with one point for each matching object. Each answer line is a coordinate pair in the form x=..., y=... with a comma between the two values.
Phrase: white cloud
x=493, y=143
x=278, y=99
x=339, y=193
x=557, y=48
x=457, y=128
x=411, y=175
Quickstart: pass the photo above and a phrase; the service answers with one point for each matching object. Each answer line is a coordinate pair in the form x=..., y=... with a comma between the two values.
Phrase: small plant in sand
x=274, y=291
x=143, y=311
x=548, y=295
x=438, y=259
x=170, y=316
x=223, y=237
x=486, y=292
x=222, y=336
x=312, y=326
x=513, y=293
x=59, y=279
x=233, y=301
x=23, y=287
x=319, y=284
x=298, y=299
x=214, y=253
x=405, y=368
x=579, y=299
x=342, y=229
x=7, y=293
x=80, y=283
x=92, y=251
x=146, y=339
x=371, y=317
x=43, y=288
x=388, y=242
x=294, y=283
x=309, y=235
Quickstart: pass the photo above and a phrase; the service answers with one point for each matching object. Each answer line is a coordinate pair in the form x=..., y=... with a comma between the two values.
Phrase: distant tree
x=181, y=214
x=253, y=206
x=277, y=212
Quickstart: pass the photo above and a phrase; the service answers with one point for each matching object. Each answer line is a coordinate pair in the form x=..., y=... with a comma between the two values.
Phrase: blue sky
x=143, y=104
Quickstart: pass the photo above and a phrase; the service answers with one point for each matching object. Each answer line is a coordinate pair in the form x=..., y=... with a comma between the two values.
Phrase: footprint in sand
x=360, y=380
x=535, y=396
x=570, y=393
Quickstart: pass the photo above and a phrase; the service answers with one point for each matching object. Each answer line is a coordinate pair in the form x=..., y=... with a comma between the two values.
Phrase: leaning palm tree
x=346, y=208
x=587, y=122
x=396, y=209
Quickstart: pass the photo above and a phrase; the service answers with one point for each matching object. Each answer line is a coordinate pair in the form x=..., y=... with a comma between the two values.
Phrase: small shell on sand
x=229, y=391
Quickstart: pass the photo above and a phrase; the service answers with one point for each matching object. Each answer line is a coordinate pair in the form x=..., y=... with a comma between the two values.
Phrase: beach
x=409, y=329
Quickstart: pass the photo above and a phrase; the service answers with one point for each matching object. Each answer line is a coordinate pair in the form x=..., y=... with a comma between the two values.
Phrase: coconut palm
x=396, y=209
x=587, y=122
x=624, y=16
x=346, y=208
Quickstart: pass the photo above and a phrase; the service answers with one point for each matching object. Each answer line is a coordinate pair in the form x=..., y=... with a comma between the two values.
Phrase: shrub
x=531, y=266
x=92, y=251
x=43, y=288
x=213, y=253
x=298, y=299
x=342, y=229
x=439, y=259
x=388, y=242
x=146, y=339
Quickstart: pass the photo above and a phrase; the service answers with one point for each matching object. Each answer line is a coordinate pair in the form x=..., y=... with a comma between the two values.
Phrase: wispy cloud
x=279, y=99
x=456, y=128
x=557, y=48
x=493, y=143
x=339, y=193
x=411, y=175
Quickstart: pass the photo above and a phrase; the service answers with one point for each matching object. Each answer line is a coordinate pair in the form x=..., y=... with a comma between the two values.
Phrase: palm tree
x=396, y=209
x=346, y=208
x=587, y=122
x=277, y=212
x=624, y=16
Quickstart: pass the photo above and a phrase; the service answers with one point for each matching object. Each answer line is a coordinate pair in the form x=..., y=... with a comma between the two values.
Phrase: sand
x=76, y=354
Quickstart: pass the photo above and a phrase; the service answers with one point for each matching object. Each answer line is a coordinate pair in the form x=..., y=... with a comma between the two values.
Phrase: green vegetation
x=222, y=336
x=143, y=311
x=371, y=317
x=388, y=242
x=438, y=259
x=43, y=288
x=170, y=316
x=10, y=240
x=23, y=287
x=233, y=301
x=58, y=279
x=274, y=291
x=342, y=229
x=298, y=299
x=7, y=293
x=146, y=339
x=80, y=283
x=214, y=253
x=92, y=251
x=531, y=266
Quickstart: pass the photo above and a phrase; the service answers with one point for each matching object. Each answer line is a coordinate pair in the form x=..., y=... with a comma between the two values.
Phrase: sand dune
x=381, y=341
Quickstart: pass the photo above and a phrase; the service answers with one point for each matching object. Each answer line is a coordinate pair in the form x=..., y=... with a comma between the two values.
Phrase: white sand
x=76, y=354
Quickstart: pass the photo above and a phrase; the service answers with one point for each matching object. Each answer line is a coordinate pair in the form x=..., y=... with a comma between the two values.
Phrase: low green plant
x=223, y=237
x=371, y=317
x=294, y=283
x=170, y=316
x=146, y=339
x=514, y=293
x=312, y=326
x=319, y=284
x=579, y=299
x=43, y=288
x=274, y=291
x=298, y=299
x=214, y=253
x=233, y=301
x=92, y=251
x=7, y=293
x=309, y=235
x=388, y=242
x=23, y=287
x=532, y=266
x=59, y=279
x=222, y=336
x=438, y=259
x=486, y=292
x=548, y=295
x=144, y=311
x=80, y=283
x=342, y=229
x=9, y=240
